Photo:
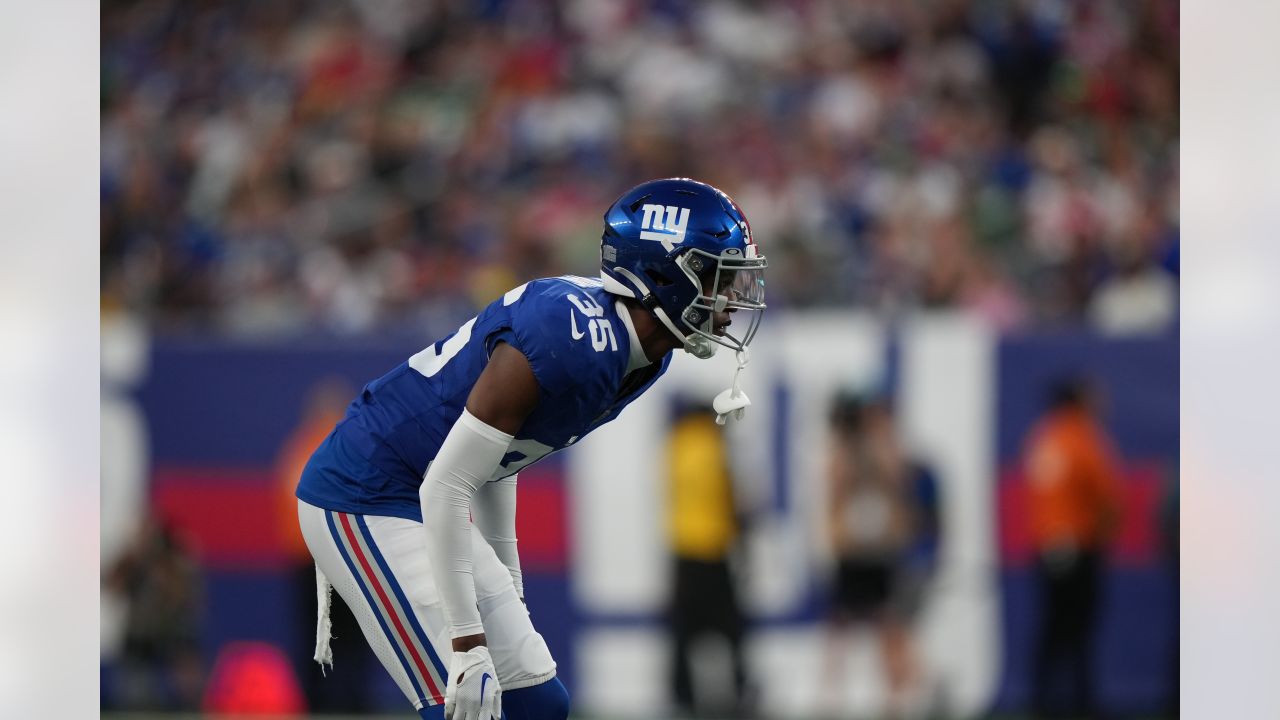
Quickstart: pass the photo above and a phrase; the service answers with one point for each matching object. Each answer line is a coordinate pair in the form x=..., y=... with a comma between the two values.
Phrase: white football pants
x=379, y=566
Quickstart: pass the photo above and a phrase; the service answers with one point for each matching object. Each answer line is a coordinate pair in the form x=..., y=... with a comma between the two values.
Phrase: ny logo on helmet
x=664, y=223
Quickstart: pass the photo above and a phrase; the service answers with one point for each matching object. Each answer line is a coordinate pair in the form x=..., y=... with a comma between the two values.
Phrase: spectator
x=1073, y=509
x=329, y=165
x=1140, y=298
x=884, y=526
x=160, y=666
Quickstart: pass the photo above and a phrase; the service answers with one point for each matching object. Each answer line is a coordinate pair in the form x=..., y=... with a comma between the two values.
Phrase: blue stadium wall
x=217, y=414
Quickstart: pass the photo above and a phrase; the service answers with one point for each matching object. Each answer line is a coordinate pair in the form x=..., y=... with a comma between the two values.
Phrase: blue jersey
x=375, y=459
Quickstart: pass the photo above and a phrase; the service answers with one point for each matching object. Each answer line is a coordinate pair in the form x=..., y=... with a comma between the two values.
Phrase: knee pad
x=520, y=654
x=544, y=701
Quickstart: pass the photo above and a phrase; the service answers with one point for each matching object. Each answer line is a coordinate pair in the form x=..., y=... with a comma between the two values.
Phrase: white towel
x=324, y=591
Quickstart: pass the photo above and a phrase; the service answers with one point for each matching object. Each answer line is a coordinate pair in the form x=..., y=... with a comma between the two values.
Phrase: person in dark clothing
x=160, y=667
x=703, y=527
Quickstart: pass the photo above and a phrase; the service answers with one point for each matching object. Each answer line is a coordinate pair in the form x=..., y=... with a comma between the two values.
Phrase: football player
x=408, y=506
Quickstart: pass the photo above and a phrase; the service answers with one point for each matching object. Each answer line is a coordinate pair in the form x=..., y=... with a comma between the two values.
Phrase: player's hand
x=472, y=692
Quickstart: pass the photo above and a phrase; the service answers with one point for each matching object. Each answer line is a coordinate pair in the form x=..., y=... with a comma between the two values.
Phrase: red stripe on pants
x=386, y=603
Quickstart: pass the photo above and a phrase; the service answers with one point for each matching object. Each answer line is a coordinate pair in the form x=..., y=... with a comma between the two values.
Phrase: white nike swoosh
x=573, y=322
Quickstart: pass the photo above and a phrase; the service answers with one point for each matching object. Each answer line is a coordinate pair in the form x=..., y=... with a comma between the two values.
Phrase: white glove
x=476, y=696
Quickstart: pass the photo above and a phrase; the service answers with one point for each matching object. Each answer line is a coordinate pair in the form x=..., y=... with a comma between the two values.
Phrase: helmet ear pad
x=695, y=276
x=657, y=278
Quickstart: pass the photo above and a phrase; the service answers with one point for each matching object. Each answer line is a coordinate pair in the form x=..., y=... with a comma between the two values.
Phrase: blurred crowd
x=391, y=165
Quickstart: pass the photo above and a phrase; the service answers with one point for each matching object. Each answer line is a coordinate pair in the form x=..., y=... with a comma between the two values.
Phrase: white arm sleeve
x=466, y=460
x=494, y=511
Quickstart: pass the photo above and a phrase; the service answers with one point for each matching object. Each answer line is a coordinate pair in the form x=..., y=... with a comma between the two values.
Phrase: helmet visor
x=741, y=283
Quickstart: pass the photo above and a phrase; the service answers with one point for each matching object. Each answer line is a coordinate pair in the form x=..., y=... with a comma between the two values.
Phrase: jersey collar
x=637, y=359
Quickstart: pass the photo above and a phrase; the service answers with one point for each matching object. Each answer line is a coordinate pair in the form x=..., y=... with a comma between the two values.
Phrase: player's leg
x=379, y=565
x=548, y=700
x=376, y=575
x=526, y=670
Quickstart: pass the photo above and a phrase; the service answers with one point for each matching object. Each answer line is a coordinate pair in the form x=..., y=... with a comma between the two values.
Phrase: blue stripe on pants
x=373, y=604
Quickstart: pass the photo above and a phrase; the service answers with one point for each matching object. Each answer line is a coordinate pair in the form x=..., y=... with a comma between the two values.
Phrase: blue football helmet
x=684, y=250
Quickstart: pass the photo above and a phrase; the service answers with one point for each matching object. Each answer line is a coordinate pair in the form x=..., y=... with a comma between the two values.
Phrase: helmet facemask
x=732, y=282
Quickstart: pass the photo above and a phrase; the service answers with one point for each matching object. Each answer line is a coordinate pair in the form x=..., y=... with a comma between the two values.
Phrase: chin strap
x=694, y=344
x=733, y=401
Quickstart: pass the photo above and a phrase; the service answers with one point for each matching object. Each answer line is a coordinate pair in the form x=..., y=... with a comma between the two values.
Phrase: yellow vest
x=700, y=512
